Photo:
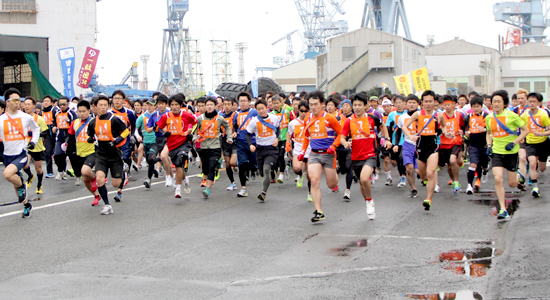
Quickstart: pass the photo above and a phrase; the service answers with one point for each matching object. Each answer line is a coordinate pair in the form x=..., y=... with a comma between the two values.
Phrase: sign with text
x=403, y=84
x=88, y=67
x=67, y=59
x=421, y=80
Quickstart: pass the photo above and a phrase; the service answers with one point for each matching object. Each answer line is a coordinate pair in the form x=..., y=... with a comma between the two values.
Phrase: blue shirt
x=392, y=123
x=241, y=136
x=154, y=119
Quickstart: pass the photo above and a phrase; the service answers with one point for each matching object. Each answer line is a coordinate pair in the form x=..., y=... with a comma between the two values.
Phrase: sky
x=130, y=28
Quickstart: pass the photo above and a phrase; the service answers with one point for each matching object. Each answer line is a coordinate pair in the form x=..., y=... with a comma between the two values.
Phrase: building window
x=385, y=55
x=19, y=5
x=413, y=54
x=477, y=80
x=348, y=53
x=509, y=84
x=540, y=87
x=406, y=52
x=525, y=85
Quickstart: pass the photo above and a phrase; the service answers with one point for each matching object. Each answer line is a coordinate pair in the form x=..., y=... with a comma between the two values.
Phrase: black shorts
x=522, y=145
x=161, y=142
x=179, y=155
x=540, y=150
x=445, y=154
x=85, y=161
x=507, y=161
x=37, y=156
x=228, y=149
x=425, y=148
x=266, y=155
x=478, y=156
x=104, y=164
x=395, y=155
x=384, y=152
x=359, y=164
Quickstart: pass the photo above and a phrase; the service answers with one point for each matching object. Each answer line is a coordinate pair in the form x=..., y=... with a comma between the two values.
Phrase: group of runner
x=273, y=134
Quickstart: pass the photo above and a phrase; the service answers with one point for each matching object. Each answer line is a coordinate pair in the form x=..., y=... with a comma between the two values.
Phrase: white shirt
x=265, y=136
x=297, y=145
x=15, y=141
x=402, y=119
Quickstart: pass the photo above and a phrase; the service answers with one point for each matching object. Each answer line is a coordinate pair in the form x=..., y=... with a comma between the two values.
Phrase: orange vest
x=13, y=132
x=174, y=124
x=298, y=128
x=452, y=125
x=209, y=128
x=476, y=123
x=422, y=120
x=104, y=132
x=496, y=130
x=264, y=131
x=48, y=117
x=360, y=128
x=61, y=120
x=123, y=116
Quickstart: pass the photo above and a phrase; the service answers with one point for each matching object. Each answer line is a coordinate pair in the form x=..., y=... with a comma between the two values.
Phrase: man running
x=144, y=134
x=13, y=130
x=477, y=137
x=229, y=149
x=62, y=120
x=502, y=145
x=321, y=132
x=162, y=150
x=37, y=154
x=343, y=155
x=408, y=146
x=284, y=117
x=294, y=134
x=397, y=138
x=49, y=139
x=450, y=151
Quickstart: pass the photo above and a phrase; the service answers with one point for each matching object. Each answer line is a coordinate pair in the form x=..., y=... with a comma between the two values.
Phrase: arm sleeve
x=249, y=138
x=35, y=131
x=132, y=118
x=71, y=129
x=91, y=128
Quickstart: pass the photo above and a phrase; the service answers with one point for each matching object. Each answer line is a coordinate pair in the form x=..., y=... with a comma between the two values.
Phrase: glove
x=489, y=151
x=30, y=146
x=189, y=137
x=64, y=147
x=288, y=147
x=167, y=134
x=510, y=146
x=301, y=157
x=331, y=150
x=90, y=140
x=117, y=141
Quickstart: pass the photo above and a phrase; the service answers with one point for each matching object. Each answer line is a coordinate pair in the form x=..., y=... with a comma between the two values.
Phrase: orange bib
x=497, y=131
x=209, y=128
x=477, y=124
x=48, y=117
x=61, y=120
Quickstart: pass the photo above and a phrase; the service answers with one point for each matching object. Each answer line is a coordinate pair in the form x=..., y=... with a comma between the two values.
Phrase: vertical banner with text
x=67, y=59
x=254, y=86
x=88, y=67
x=403, y=83
x=421, y=80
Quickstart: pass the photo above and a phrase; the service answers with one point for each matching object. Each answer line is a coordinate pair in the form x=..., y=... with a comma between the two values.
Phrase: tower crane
x=385, y=15
x=290, y=58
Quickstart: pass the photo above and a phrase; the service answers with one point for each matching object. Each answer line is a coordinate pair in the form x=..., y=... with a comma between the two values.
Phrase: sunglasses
x=16, y=99
x=304, y=111
x=61, y=104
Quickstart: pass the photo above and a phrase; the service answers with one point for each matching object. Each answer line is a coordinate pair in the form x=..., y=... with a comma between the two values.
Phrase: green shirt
x=141, y=124
x=284, y=115
x=512, y=121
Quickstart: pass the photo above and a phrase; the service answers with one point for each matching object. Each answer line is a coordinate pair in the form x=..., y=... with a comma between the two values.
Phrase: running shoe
x=535, y=192
x=456, y=187
x=437, y=189
x=203, y=183
x=529, y=182
x=126, y=179
x=156, y=173
x=413, y=194
x=370, y=210
x=174, y=184
x=178, y=192
x=347, y=195
x=272, y=181
x=70, y=172
x=50, y=175
x=375, y=176
x=96, y=200
x=317, y=216
x=118, y=197
x=477, y=184
x=29, y=181
x=22, y=193
x=168, y=181
x=232, y=187
x=451, y=182
x=300, y=182
x=427, y=204
x=135, y=167
x=402, y=182
x=261, y=196
x=503, y=214
x=521, y=178
x=39, y=190
x=424, y=182
x=297, y=178
x=186, y=188
x=107, y=209
x=217, y=174
x=93, y=184
x=206, y=193
x=27, y=211
x=253, y=176
x=280, y=179
x=61, y=176
x=78, y=181
x=469, y=190
x=242, y=193
x=309, y=198
x=147, y=183
x=461, y=164
x=287, y=174
x=485, y=176
x=335, y=189
x=389, y=182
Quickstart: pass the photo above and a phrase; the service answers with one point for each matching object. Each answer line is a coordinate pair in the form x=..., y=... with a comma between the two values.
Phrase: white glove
x=64, y=147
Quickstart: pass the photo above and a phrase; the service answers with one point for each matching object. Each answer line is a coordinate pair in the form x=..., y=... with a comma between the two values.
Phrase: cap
x=386, y=102
x=151, y=101
x=346, y=101
x=373, y=98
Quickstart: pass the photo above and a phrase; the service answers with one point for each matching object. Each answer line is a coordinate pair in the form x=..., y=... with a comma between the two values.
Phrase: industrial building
x=297, y=77
x=43, y=27
x=365, y=58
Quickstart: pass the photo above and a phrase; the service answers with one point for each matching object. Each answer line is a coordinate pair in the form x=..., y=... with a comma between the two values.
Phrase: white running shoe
x=186, y=188
x=280, y=179
x=347, y=195
x=107, y=209
x=484, y=178
x=174, y=182
x=178, y=192
x=61, y=176
x=375, y=176
x=401, y=182
x=297, y=178
x=168, y=181
x=436, y=189
x=370, y=210
x=287, y=173
x=78, y=181
x=470, y=189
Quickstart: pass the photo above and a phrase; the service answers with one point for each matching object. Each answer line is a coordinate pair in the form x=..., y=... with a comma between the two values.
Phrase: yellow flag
x=403, y=83
x=421, y=80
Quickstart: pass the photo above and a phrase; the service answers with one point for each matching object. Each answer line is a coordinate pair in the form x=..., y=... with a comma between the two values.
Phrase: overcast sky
x=130, y=28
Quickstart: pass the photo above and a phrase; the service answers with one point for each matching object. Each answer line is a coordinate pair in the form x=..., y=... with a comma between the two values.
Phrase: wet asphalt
x=157, y=247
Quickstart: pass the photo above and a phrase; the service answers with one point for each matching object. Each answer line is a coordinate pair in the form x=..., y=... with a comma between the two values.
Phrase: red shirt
x=362, y=147
x=184, y=120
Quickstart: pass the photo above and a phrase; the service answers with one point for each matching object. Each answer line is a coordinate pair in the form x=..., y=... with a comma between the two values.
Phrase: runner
x=265, y=128
x=62, y=120
x=450, y=150
x=147, y=137
x=294, y=142
x=502, y=145
x=397, y=139
x=284, y=117
x=537, y=145
x=110, y=133
x=49, y=139
x=37, y=154
x=85, y=152
x=321, y=132
x=179, y=125
x=162, y=150
x=12, y=131
x=385, y=153
x=408, y=146
x=360, y=127
x=519, y=109
x=229, y=149
x=426, y=140
x=343, y=155
x=477, y=137
x=209, y=130
x=246, y=158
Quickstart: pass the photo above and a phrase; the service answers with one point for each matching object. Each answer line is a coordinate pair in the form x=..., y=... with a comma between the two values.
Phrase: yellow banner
x=403, y=83
x=421, y=80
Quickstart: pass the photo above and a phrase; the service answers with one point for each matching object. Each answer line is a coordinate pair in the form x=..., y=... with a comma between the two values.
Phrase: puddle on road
x=351, y=246
x=462, y=295
x=474, y=263
x=511, y=205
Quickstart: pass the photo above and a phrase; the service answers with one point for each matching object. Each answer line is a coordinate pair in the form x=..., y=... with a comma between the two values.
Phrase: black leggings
x=210, y=158
x=344, y=161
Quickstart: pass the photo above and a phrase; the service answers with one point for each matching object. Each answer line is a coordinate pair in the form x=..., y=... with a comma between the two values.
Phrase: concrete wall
x=302, y=73
x=66, y=23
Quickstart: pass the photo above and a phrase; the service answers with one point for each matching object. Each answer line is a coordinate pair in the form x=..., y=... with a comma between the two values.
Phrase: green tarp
x=39, y=80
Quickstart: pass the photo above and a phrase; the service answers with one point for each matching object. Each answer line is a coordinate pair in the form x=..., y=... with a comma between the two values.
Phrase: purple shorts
x=409, y=154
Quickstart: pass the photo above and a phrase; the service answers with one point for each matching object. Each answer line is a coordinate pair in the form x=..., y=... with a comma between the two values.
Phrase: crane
x=290, y=58
x=385, y=15
x=530, y=17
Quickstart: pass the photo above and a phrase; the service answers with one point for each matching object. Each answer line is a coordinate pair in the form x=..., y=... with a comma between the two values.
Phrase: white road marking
x=80, y=199
x=402, y=237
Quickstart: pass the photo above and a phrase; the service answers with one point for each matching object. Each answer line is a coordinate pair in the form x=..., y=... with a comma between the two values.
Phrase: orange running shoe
x=203, y=183
x=477, y=184
x=450, y=182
